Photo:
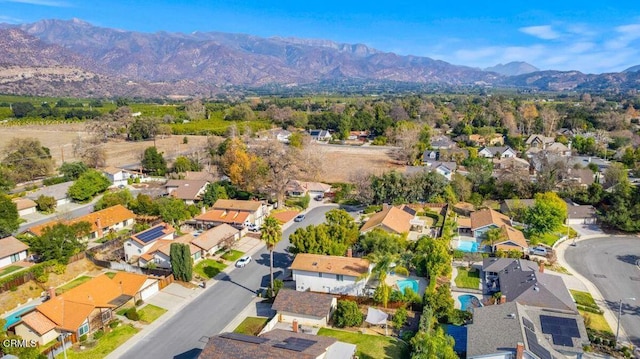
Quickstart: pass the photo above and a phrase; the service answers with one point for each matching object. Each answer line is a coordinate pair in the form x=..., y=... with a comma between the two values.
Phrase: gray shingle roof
x=57, y=191
x=306, y=303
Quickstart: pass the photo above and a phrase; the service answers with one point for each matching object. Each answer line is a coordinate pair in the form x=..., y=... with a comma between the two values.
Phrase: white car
x=243, y=261
x=539, y=251
x=253, y=227
x=299, y=218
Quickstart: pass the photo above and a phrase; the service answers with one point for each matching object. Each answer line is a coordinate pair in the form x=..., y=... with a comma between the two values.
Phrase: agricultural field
x=341, y=163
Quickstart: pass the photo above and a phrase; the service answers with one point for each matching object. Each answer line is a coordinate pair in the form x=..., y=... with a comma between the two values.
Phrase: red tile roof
x=350, y=266
x=107, y=217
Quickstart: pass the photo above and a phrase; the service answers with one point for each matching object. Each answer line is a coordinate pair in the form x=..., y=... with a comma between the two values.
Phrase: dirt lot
x=339, y=163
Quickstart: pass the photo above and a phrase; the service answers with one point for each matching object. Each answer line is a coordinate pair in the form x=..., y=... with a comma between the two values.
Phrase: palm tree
x=271, y=235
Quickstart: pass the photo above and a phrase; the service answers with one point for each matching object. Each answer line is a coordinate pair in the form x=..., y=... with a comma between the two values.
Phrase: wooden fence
x=163, y=283
x=56, y=349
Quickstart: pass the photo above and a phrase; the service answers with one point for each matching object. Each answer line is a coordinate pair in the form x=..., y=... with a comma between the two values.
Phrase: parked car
x=539, y=251
x=253, y=227
x=299, y=218
x=243, y=261
x=319, y=197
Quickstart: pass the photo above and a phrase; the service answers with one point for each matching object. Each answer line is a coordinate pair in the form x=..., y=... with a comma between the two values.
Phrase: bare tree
x=362, y=182
x=406, y=138
x=195, y=109
x=550, y=120
x=90, y=151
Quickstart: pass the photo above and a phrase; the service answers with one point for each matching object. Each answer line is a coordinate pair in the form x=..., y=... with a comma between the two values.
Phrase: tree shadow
x=226, y=278
x=280, y=260
x=627, y=308
x=189, y=354
x=629, y=258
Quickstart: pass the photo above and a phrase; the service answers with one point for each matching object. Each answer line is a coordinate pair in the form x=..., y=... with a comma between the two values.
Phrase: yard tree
x=26, y=159
x=381, y=242
x=622, y=207
x=440, y=301
x=347, y=314
x=432, y=258
x=238, y=164
x=493, y=236
x=72, y=170
x=271, y=234
x=143, y=129
x=46, y=204
x=184, y=164
x=614, y=174
x=173, y=210
x=111, y=199
x=6, y=182
x=547, y=213
x=144, y=204
x=214, y=192
x=60, y=241
x=9, y=218
x=88, y=185
x=480, y=174
x=153, y=162
x=181, y=261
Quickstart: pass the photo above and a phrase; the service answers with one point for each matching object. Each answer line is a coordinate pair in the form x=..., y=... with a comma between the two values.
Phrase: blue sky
x=588, y=36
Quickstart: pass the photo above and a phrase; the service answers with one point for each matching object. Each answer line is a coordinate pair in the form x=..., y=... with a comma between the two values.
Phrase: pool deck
x=392, y=279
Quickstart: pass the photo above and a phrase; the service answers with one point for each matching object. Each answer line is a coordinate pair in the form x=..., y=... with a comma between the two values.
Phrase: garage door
x=149, y=291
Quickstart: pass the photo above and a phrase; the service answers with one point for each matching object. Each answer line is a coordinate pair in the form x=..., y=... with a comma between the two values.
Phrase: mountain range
x=73, y=57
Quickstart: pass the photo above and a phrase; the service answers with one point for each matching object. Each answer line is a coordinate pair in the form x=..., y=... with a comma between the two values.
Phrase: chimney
x=519, y=350
x=51, y=292
x=295, y=325
x=503, y=299
x=203, y=210
x=349, y=252
x=99, y=225
x=541, y=267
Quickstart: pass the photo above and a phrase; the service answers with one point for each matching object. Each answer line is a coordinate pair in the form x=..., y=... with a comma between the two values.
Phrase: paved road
x=612, y=265
x=186, y=333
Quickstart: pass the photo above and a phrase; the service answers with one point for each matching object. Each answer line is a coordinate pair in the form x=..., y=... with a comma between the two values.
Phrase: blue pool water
x=15, y=316
x=408, y=283
x=468, y=246
x=468, y=301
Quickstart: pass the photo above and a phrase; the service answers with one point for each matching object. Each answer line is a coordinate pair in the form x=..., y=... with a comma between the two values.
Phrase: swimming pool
x=468, y=301
x=15, y=316
x=408, y=283
x=468, y=246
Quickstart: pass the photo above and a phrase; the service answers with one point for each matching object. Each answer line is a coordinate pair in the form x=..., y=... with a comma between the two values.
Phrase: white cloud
x=10, y=19
x=544, y=32
x=51, y=3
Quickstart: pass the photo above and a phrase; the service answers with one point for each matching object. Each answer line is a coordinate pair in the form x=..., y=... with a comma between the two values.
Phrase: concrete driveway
x=171, y=296
x=585, y=230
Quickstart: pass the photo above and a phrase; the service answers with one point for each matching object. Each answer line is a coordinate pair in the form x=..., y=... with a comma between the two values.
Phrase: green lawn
x=122, y=311
x=251, y=325
x=370, y=346
x=108, y=343
x=551, y=238
x=110, y=274
x=232, y=255
x=150, y=313
x=468, y=278
x=74, y=283
x=9, y=269
x=583, y=298
x=596, y=322
x=208, y=268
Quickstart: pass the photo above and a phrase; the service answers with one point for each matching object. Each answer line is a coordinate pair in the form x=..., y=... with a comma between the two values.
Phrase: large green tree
x=88, y=185
x=173, y=210
x=181, y=261
x=60, y=241
x=72, y=170
x=153, y=162
x=431, y=342
x=111, y=199
x=432, y=258
x=214, y=192
x=380, y=242
x=271, y=234
x=621, y=207
x=547, y=213
x=333, y=237
x=347, y=314
x=9, y=218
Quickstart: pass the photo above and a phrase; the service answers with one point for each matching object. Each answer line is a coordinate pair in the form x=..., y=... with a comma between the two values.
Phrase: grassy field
x=583, y=298
x=150, y=313
x=232, y=255
x=251, y=325
x=74, y=283
x=467, y=278
x=208, y=268
x=9, y=269
x=370, y=346
x=108, y=343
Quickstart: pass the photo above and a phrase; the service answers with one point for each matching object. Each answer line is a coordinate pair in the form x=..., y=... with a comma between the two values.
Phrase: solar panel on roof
x=562, y=329
x=562, y=340
x=295, y=344
x=151, y=234
x=535, y=347
x=244, y=338
x=528, y=324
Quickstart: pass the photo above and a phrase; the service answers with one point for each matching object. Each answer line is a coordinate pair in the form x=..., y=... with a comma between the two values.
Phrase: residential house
x=509, y=207
x=584, y=161
x=234, y=212
x=330, y=274
x=497, y=151
x=396, y=220
x=160, y=252
x=453, y=154
x=430, y=156
x=83, y=309
x=12, y=250
x=140, y=243
x=477, y=140
x=447, y=169
x=555, y=148
x=539, y=141
x=57, y=191
x=117, y=176
x=581, y=214
x=510, y=239
x=186, y=190
x=579, y=177
x=442, y=142
x=297, y=188
x=464, y=209
x=282, y=135
x=276, y=344
x=25, y=206
x=320, y=135
x=200, y=176
x=511, y=166
x=358, y=136
x=103, y=222
x=306, y=308
x=216, y=238
x=525, y=282
x=525, y=332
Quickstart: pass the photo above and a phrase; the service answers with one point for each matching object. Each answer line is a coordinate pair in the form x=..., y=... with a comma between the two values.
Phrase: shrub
x=97, y=335
x=83, y=338
x=400, y=318
x=407, y=335
x=14, y=288
x=347, y=314
x=46, y=204
x=59, y=268
x=372, y=209
x=400, y=270
x=277, y=285
x=185, y=140
x=139, y=302
x=396, y=296
x=304, y=201
x=114, y=324
x=132, y=314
